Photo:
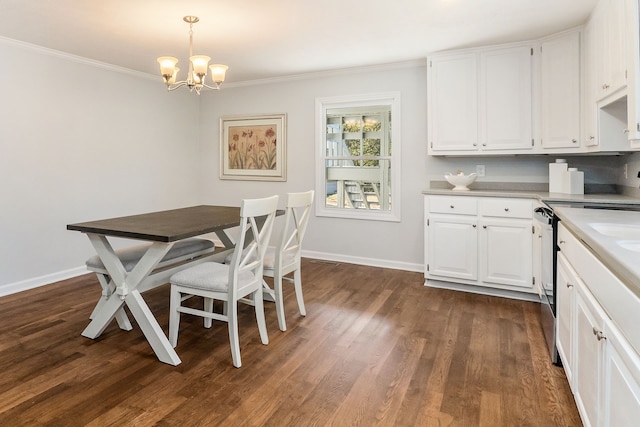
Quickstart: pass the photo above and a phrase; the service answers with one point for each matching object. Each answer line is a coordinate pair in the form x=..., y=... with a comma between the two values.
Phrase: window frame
x=391, y=99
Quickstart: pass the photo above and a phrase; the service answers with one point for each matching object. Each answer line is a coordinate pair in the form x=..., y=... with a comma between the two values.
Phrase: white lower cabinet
x=458, y=256
x=602, y=366
x=485, y=242
x=621, y=382
x=589, y=360
x=507, y=252
x=565, y=324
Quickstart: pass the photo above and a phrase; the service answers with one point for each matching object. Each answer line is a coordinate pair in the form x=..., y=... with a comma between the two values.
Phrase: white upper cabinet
x=560, y=92
x=505, y=99
x=480, y=101
x=453, y=106
x=576, y=92
x=633, y=71
x=608, y=20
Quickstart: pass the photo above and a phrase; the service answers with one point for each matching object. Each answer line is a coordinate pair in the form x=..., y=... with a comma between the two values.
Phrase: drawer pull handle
x=452, y=207
x=484, y=226
x=569, y=285
x=506, y=209
x=562, y=242
x=599, y=334
x=474, y=226
x=574, y=140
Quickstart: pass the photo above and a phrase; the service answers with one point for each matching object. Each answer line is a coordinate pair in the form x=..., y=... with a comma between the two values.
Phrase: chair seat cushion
x=130, y=256
x=209, y=276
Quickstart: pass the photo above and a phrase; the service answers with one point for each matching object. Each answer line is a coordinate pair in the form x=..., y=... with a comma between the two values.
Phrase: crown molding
x=75, y=58
x=422, y=62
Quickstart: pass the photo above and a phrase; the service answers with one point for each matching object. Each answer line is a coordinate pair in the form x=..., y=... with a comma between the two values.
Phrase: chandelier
x=198, y=65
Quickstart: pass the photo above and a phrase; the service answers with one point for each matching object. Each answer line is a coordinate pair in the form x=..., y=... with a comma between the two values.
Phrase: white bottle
x=556, y=175
x=573, y=181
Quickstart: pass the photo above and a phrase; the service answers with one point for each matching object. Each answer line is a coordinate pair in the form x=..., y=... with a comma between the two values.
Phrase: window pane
x=358, y=165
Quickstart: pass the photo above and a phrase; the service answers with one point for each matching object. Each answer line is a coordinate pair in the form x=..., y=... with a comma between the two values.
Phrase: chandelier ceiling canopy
x=198, y=66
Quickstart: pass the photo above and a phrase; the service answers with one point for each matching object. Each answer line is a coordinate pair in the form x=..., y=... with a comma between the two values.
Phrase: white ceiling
x=271, y=38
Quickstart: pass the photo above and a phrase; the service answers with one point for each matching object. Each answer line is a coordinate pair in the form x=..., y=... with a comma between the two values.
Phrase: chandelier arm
x=216, y=87
x=176, y=85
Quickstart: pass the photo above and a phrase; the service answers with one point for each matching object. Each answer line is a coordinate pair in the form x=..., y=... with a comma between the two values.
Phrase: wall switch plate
x=480, y=170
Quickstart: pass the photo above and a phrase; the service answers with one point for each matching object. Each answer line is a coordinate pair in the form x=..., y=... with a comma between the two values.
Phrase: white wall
x=78, y=142
x=82, y=141
x=396, y=245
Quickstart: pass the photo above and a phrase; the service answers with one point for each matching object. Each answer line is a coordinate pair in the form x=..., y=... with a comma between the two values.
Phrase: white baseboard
x=373, y=262
x=12, y=288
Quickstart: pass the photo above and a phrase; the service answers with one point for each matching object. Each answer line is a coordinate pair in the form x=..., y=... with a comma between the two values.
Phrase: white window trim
x=322, y=105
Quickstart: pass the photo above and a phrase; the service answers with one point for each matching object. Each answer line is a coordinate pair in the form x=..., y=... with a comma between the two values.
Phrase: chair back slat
x=297, y=216
x=257, y=217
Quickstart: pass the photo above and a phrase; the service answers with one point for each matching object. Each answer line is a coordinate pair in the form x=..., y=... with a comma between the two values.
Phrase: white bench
x=182, y=253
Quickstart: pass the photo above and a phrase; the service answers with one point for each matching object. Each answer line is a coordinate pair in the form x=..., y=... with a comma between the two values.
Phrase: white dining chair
x=284, y=257
x=241, y=278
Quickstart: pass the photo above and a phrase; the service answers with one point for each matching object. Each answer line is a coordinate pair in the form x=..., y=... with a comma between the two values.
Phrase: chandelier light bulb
x=218, y=72
x=198, y=67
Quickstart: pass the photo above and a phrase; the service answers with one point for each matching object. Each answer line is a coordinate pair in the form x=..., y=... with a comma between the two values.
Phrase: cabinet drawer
x=453, y=205
x=507, y=208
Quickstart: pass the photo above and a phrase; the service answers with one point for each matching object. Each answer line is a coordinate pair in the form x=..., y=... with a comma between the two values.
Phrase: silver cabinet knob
x=599, y=334
x=484, y=226
x=474, y=226
x=452, y=206
x=506, y=209
x=574, y=141
x=569, y=285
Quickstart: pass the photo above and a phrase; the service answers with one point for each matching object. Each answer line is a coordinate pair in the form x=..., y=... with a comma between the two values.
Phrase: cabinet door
x=609, y=30
x=589, y=356
x=560, y=86
x=536, y=258
x=588, y=84
x=505, y=252
x=622, y=382
x=616, y=45
x=565, y=316
x=453, y=103
x=452, y=246
x=633, y=69
x=505, y=99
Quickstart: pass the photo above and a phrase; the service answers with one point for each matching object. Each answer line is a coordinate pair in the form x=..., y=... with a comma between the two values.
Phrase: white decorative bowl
x=460, y=182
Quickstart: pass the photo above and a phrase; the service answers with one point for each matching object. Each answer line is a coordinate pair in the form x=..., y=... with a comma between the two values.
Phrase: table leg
x=103, y=316
x=107, y=290
x=126, y=292
x=151, y=329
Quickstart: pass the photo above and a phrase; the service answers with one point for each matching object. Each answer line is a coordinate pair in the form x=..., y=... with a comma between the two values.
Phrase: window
x=358, y=146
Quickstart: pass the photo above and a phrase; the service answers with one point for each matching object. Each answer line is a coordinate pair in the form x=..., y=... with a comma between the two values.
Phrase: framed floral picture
x=254, y=147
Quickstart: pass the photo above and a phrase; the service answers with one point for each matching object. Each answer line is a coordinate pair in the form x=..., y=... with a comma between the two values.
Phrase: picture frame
x=254, y=147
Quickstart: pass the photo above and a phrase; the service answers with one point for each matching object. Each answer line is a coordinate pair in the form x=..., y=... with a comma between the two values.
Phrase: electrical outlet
x=480, y=170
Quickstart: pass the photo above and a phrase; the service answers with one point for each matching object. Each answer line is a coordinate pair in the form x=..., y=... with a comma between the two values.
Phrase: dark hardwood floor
x=376, y=348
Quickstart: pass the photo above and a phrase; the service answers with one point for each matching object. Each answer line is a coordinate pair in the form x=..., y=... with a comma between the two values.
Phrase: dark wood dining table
x=160, y=230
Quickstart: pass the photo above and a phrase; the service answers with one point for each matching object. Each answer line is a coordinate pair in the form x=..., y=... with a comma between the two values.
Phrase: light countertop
x=615, y=252
x=539, y=195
